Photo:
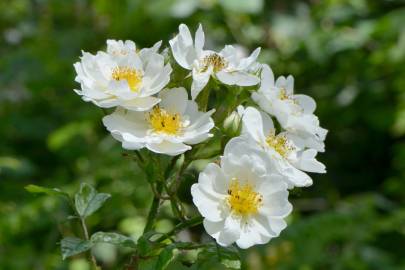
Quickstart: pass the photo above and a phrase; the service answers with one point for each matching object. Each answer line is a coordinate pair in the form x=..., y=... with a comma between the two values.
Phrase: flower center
x=215, y=60
x=280, y=144
x=164, y=122
x=242, y=199
x=283, y=94
x=131, y=75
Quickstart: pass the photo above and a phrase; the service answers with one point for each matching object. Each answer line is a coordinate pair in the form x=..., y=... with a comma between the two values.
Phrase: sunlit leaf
x=87, y=200
x=71, y=246
x=48, y=191
x=112, y=238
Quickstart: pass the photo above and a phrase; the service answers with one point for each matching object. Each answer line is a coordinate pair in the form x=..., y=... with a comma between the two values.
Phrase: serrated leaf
x=45, y=190
x=112, y=238
x=71, y=246
x=87, y=200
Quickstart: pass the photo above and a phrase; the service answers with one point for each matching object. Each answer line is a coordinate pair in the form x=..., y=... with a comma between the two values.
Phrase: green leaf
x=71, y=246
x=112, y=238
x=48, y=191
x=87, y=200
x=165, y=257
x=148, y=264
x=227, y=256
x=233, y=264
x=145, y=246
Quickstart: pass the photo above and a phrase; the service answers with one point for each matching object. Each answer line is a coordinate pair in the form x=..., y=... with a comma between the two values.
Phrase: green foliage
x=87, y=200
x=71, y=246
x=112, y=238
x=48, y=191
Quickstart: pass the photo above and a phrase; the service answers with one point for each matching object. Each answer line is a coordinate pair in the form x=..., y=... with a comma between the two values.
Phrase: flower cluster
x=243, y=194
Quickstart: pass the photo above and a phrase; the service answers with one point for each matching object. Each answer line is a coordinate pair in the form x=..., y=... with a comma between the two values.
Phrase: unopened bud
x=232, y=124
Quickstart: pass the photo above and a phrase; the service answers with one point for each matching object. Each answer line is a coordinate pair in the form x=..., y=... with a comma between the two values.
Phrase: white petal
x=128, y=128
x=200, y=124
x=268, y=126
x=208, y=204
x=185, y=35
x=141, y=103
x=145, y=53
x=250, y=237
x=182, y=47
x=174, y=100
x=213, y=177
x=168, y=148
x=230, y=232
x=252, y=124
x=130, y=145
x=290, y=85
x=246, y=62
x=152, y=85
x=246, y=166
x=198, y=138
x=237, y=78
x=295, y=177
x=273, y=184
x=276, y=205
x=306, y=161
x=261, y=98
x=154, y=65
x=199, y=40
x=267, y=78
x=305, y=102
x=277, y=224
x=200, y=80
x=213, y=228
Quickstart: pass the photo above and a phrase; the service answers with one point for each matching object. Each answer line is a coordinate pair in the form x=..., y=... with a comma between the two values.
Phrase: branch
x=86, y=235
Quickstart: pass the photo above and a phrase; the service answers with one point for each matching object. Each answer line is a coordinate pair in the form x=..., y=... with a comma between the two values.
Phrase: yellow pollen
x=242, y=199
x=215, y=60
x=131, y=75
x=280, y=144
x=164, y=122
x=283, y=94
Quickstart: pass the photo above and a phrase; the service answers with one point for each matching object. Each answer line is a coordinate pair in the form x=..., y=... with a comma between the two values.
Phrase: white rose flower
x=226, y=65
x=295, y=113
x=123, y=48
x=168, y=128
x=241, y=200
x=289, y=159
x=122, y=76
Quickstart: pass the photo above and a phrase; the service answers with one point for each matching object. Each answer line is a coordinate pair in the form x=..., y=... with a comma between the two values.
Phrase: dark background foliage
x=348, y=55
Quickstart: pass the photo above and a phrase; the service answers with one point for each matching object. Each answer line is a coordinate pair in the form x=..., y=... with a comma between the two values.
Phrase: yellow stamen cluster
x=280, y=144
x=131, y=75
x=120, y=52
x=164, y=122
x=283, y=94
x=215, y=60
x=242, y=199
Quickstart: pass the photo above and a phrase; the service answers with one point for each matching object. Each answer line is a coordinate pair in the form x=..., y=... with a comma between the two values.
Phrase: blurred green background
x=348, y=55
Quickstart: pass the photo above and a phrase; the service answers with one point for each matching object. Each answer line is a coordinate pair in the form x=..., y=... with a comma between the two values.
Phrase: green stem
x=175, y=202
x=153, y=211
x=140, y=158
x=86, y=235
x=170, y=167
x=181, y=226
